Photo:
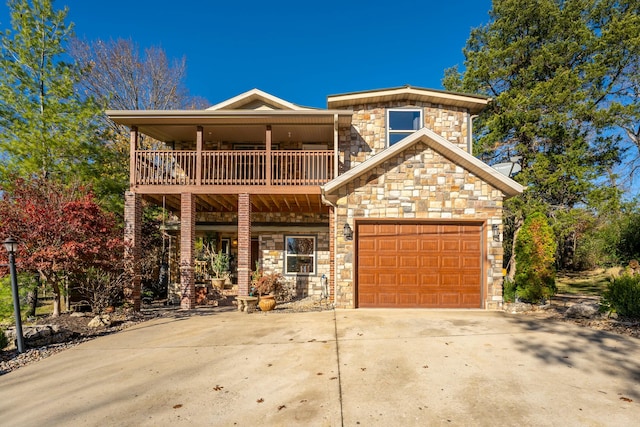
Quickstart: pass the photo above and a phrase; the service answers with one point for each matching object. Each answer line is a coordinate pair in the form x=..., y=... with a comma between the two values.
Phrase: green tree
x=45, y=128
x=554, y=69
x=535, y=255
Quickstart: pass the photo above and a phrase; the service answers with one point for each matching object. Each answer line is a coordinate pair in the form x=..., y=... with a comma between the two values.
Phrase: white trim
x=256, y=94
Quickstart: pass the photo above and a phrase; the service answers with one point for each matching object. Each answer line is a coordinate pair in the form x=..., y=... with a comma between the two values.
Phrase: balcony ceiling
x=259, y=202
x=245, y=133
x=242, y=126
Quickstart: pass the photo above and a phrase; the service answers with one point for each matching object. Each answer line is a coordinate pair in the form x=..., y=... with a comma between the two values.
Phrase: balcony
x=282, y=168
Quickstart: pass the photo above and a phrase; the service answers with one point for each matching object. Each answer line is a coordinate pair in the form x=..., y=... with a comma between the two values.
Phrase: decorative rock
x=79, y=314
x=41, y=335
x=517, y=307
x=100, y=321
x=584, y=311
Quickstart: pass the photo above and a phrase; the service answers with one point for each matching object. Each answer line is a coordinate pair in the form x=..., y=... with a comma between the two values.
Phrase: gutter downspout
x=335, y=234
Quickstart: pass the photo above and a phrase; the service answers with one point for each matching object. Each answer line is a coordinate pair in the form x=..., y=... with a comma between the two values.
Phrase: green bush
x=4, y=341
x=508, y=290
x=623, y=295
x=535, y=259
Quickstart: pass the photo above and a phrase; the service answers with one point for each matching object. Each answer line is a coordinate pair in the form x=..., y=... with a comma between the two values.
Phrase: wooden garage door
x=419, y=265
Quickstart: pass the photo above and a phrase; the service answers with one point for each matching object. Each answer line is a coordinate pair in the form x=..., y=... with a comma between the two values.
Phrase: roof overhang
x=255, y=97
x=506, y=185
x=473, y=103
x=180, y=125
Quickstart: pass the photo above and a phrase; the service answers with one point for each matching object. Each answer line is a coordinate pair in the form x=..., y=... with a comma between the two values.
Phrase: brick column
x=187, y=236
x=244, y=244
x=132, y=250
x=332, y=253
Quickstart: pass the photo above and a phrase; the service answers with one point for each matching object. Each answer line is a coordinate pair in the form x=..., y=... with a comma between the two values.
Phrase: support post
x=199, y=141
x=133, y=147
x=268, y=154
x=133, y=248
x=187, y=236
x=244, y=244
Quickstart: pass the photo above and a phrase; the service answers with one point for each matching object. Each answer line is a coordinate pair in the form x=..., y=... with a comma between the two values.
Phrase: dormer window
x=402, y=123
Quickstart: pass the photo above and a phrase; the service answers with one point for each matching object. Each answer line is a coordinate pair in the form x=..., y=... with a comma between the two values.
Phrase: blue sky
x=301, y=50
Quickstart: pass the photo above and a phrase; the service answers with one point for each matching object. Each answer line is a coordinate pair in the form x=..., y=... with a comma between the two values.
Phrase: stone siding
x=271, y=259
x=419, y=184
x=367, y=135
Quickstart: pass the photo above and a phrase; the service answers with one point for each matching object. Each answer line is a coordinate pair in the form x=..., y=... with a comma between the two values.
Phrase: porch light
x=347, y=231
x=495, y=229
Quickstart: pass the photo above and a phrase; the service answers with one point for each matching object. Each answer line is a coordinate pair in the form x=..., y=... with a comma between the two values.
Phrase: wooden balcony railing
x=288, y=168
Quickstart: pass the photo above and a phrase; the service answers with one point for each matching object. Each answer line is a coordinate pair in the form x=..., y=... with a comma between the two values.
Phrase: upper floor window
x=402, y=123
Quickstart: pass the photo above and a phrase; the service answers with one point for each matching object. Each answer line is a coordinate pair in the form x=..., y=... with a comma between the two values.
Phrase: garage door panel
x=367, y=245
x=419, y=265
x=408, y=245
x=387, y=245
x=387, y=261
x=407, y=279
x=409, y=261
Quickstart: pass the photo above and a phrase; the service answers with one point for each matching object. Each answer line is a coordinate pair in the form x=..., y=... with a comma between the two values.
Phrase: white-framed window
x=300, y=254
x=402, y=122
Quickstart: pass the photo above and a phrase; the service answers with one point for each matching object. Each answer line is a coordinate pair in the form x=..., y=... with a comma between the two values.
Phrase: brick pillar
x=187, y=236
x=132, y=251
x=332, y=254
x=244, y=243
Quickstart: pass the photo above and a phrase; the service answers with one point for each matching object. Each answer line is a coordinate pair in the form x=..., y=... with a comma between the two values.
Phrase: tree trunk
x=56, y=298
x=511, y=273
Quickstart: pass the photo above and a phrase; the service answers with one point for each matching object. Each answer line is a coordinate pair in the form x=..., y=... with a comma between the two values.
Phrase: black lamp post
x=11, y=246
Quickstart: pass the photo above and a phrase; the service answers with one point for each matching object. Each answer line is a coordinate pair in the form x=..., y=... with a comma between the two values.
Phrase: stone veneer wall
x=367, y=135
x=419, y=184
x=271, y=259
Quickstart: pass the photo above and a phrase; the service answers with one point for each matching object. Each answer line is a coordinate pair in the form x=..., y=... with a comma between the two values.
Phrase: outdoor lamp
x=348, y=232
x=495, y=229
x=11, y=246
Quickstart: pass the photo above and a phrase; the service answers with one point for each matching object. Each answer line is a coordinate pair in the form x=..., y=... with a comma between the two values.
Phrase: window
x=300, y=255
x=402, y=123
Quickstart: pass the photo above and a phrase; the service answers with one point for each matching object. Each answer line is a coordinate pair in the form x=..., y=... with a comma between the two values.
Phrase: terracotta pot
x=267, y=302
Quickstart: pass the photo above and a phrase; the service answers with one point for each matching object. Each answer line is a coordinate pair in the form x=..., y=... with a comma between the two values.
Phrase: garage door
x=419, y=265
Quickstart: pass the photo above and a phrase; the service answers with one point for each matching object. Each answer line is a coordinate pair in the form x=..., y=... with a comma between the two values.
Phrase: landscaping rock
x=41, y=335
x=581, y=311
x=100, y=321
x=518, y=307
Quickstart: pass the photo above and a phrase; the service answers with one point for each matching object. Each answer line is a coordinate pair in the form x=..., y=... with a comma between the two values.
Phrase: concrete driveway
x=334, y=368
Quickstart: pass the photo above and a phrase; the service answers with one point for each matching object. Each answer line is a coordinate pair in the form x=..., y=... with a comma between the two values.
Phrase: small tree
x=535, y=256
x=61, y=230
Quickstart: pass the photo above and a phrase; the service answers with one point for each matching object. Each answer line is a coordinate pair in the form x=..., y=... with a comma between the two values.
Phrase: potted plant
x=219, y=266
x=266, y=285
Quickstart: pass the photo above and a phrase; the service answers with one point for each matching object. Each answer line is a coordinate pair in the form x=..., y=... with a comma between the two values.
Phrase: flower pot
x=218, y=283
x=267, y=302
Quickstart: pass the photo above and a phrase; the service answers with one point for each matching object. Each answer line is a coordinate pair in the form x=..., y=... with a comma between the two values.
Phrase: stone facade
x=367, y=135
x=271, y=259
x=419, y=184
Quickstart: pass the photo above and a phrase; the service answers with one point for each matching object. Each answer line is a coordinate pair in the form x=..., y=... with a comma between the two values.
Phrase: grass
x=593, y=282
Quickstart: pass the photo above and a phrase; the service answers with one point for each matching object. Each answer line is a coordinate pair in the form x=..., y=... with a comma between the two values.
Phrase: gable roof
x=473, y=103
x=436, y=142
x=255, y=99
